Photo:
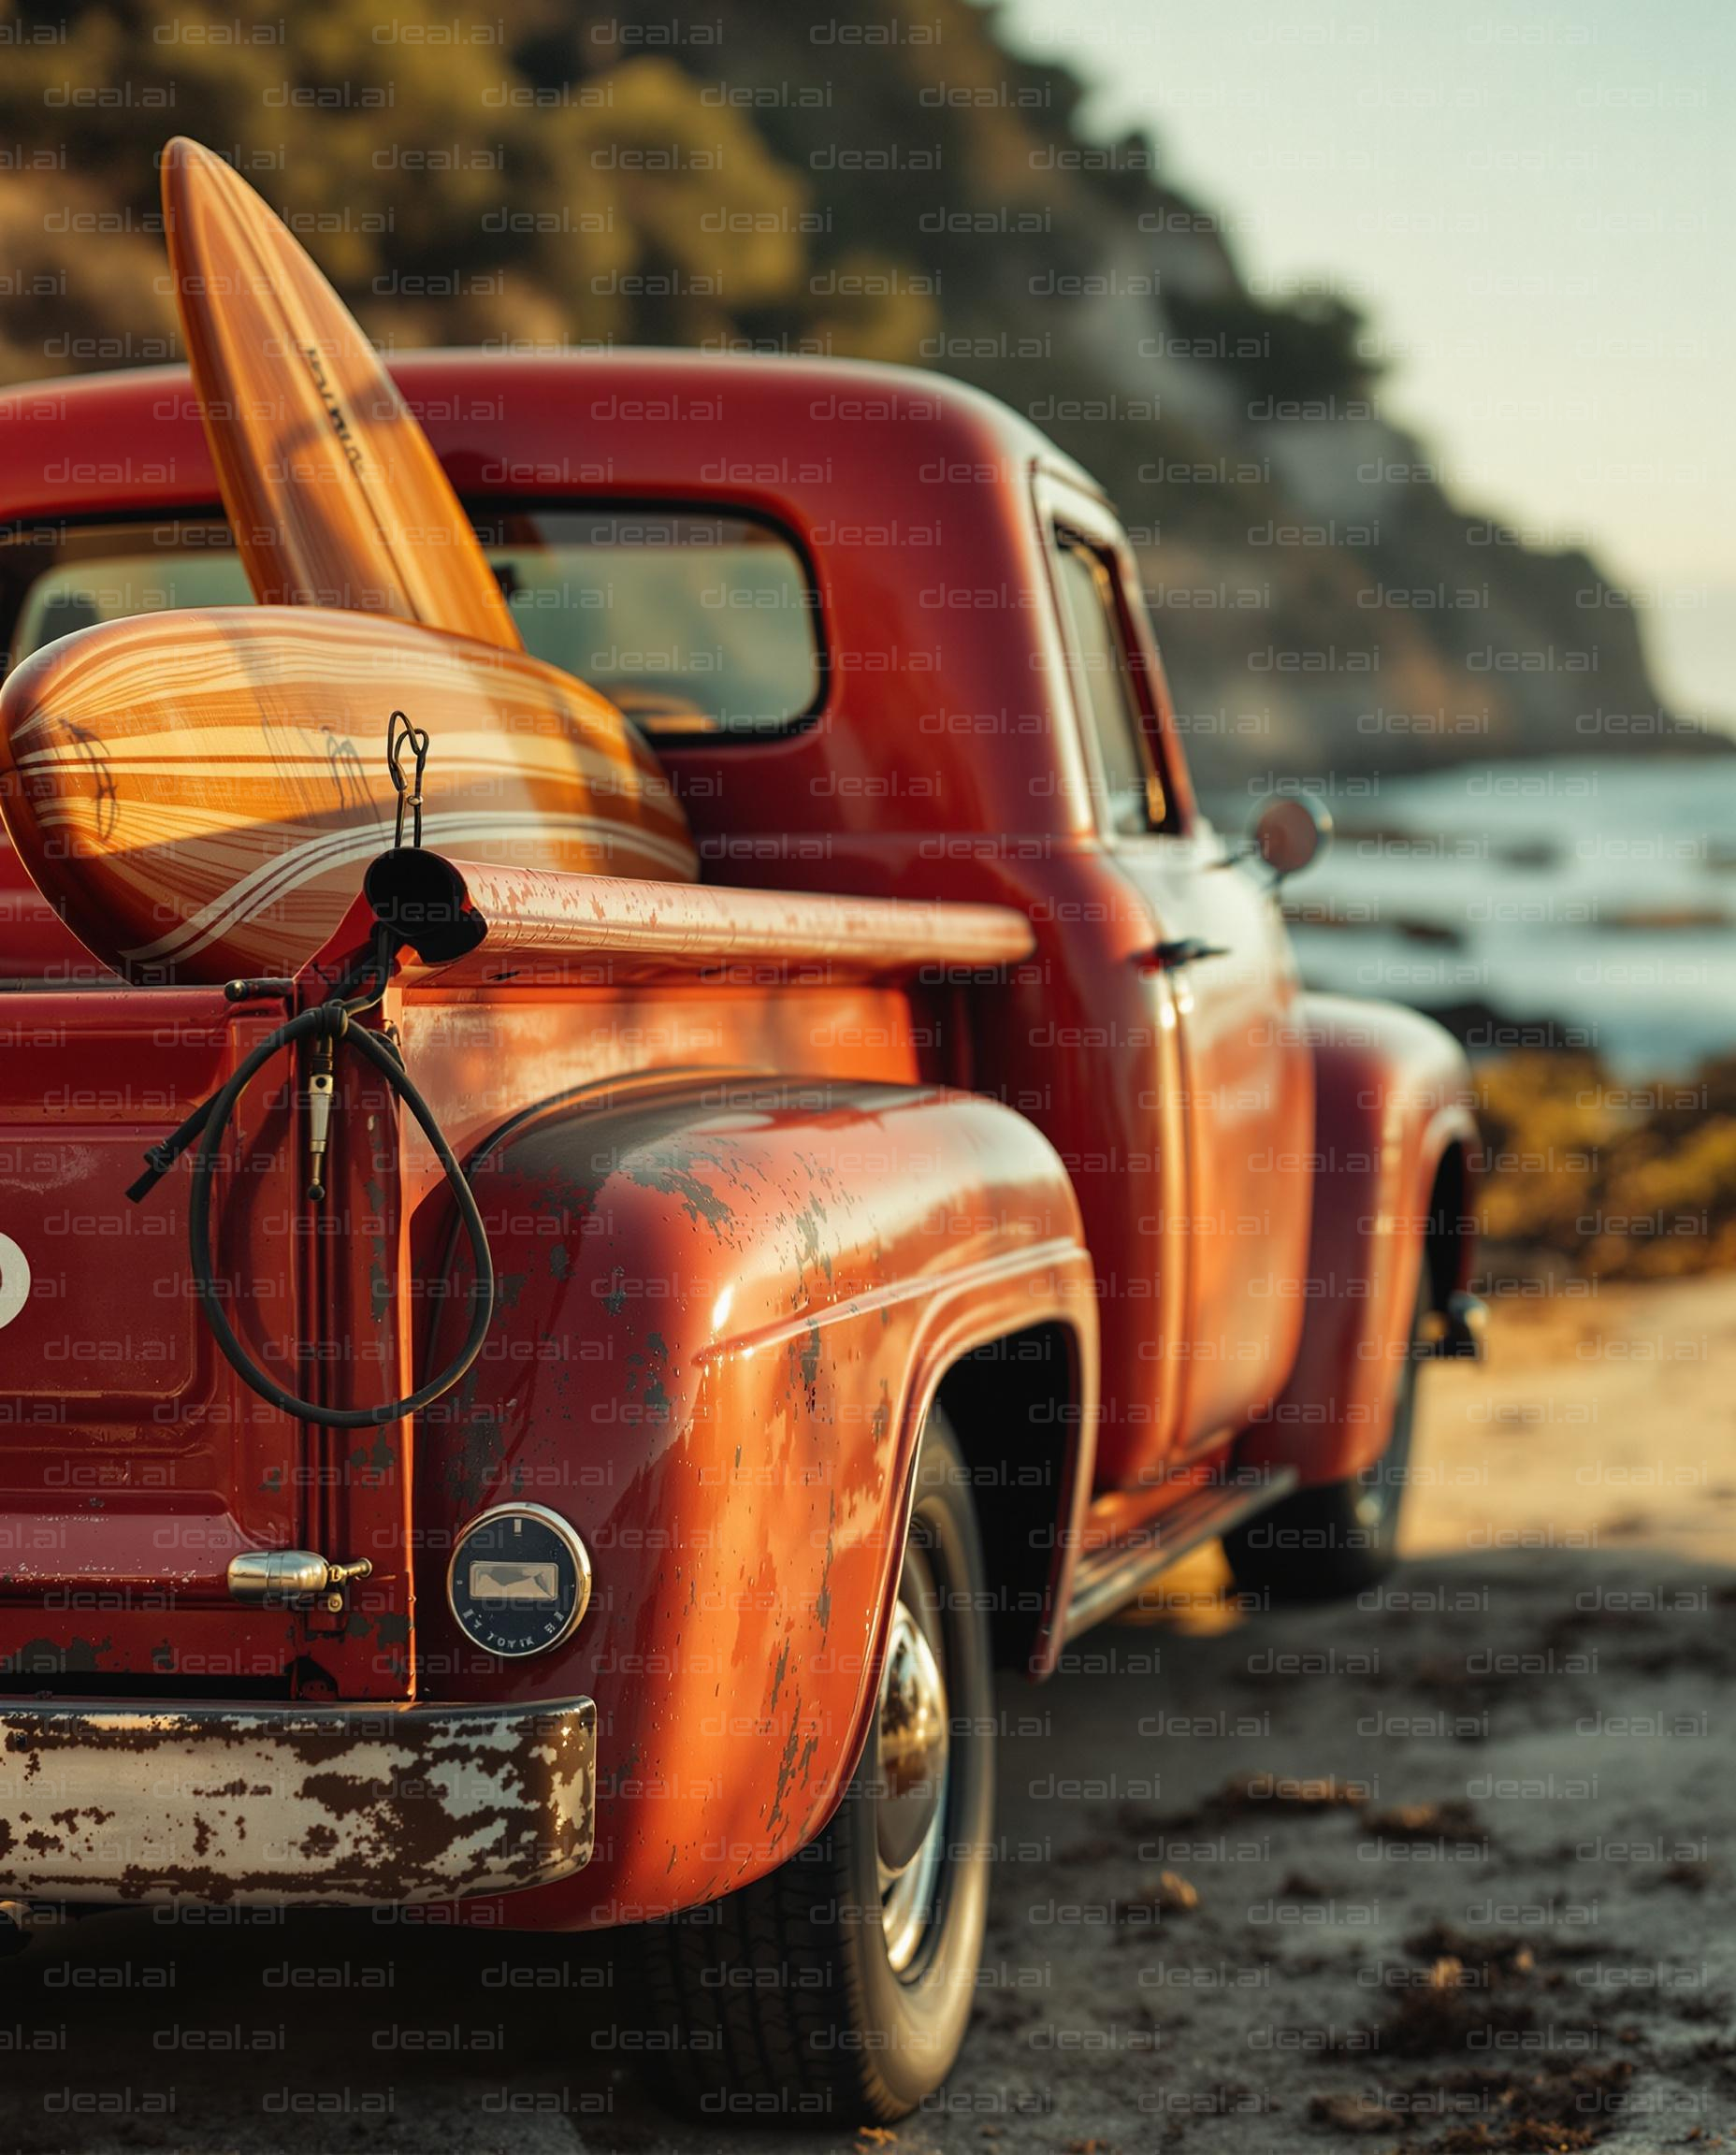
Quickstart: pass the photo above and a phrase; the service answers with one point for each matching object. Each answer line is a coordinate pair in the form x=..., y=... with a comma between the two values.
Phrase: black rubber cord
x=209, y=1124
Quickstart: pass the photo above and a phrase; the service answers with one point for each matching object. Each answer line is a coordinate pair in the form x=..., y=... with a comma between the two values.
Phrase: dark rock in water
x=1481, y=1029
x=1526, y=853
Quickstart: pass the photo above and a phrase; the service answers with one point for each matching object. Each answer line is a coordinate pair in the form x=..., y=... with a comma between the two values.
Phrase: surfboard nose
x=336, y=497
x=181, y=156
x=191, y=173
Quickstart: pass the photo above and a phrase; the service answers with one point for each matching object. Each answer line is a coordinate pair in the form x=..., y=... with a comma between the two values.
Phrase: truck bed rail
x=479, y=922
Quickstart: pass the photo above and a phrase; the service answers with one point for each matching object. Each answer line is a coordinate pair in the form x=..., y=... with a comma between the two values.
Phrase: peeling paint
x=786, y=1765
x=677, y=1170
x=351, y=1806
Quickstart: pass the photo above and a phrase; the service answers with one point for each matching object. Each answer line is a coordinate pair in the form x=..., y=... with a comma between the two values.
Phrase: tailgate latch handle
x=268, y=1578
x=320, y=1095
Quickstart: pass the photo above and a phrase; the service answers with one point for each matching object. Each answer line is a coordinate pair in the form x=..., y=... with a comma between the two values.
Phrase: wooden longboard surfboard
x=200, y=792
x=335, y=495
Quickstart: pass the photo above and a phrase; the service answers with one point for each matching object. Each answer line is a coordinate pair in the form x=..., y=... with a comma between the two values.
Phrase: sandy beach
x=1448, y=1870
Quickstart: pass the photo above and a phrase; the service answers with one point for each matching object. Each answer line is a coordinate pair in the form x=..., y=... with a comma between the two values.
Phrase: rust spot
x=58, y=1657
x=786, y=1764
x=678, y=1168
x=341, y=1794
x=822, y=1600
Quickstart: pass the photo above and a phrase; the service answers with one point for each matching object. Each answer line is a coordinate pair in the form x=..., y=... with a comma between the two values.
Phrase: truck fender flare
x=728, y=1305
x=1394, y=1095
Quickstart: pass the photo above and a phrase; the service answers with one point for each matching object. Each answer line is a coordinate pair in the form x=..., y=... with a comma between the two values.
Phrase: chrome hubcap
x=914, y=1746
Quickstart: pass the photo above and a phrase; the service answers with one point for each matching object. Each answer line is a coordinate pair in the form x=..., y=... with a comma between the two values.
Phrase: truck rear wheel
x=838, y=1988
x=1340, y=1539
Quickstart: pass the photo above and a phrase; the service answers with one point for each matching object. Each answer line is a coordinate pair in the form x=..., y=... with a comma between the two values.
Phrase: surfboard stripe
x=311, y=858
x=156, y=776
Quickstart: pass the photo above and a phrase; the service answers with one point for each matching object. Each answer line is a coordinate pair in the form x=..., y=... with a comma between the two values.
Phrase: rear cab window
x=698, y=623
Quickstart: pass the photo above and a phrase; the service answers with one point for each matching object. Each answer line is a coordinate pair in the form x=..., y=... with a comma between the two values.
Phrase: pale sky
x=1534, y=205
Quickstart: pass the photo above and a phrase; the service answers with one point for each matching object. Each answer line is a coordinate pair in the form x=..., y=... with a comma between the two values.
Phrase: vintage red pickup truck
x=907, y=1237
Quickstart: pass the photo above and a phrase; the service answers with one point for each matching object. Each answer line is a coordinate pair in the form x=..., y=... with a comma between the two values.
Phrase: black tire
x=1330, y=1543
x=788, y=2003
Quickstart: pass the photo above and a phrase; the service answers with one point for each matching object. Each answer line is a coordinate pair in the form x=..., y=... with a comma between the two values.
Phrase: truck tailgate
x=133, y=1462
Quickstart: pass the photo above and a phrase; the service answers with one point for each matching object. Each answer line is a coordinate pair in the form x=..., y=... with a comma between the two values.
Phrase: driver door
x=1218, y=954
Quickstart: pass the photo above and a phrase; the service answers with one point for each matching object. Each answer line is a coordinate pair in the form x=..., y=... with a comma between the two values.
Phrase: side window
x=1097, y=658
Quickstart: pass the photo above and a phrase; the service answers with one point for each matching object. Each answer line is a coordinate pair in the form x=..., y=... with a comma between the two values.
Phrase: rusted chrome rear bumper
x=335, y=1804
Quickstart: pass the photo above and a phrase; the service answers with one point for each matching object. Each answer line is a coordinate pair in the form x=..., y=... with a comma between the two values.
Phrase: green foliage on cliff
x=1612, y=1181
x=881, y=182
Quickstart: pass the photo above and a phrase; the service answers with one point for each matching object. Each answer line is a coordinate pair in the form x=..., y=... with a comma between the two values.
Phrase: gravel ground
x=1448, y=1872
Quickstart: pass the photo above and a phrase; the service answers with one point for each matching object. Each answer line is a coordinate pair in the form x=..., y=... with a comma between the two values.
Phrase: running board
x=1150, y=1534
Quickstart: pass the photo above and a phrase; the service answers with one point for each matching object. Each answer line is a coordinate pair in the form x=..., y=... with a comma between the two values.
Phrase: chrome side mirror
x=1290, y=831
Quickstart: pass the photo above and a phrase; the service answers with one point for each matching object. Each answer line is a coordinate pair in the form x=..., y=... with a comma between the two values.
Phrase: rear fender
x=723, y=1315
x=1392, y=1091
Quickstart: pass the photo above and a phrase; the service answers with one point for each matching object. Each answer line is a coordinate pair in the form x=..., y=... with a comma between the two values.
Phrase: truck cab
x=840, y=1274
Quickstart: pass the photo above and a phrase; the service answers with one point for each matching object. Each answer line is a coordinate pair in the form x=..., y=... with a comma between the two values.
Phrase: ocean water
x=1596, y=896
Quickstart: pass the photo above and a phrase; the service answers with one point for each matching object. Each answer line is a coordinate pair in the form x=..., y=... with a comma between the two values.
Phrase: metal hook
x=401, y=734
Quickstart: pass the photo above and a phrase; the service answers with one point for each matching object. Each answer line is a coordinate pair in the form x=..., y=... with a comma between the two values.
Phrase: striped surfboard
x=199, y=792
